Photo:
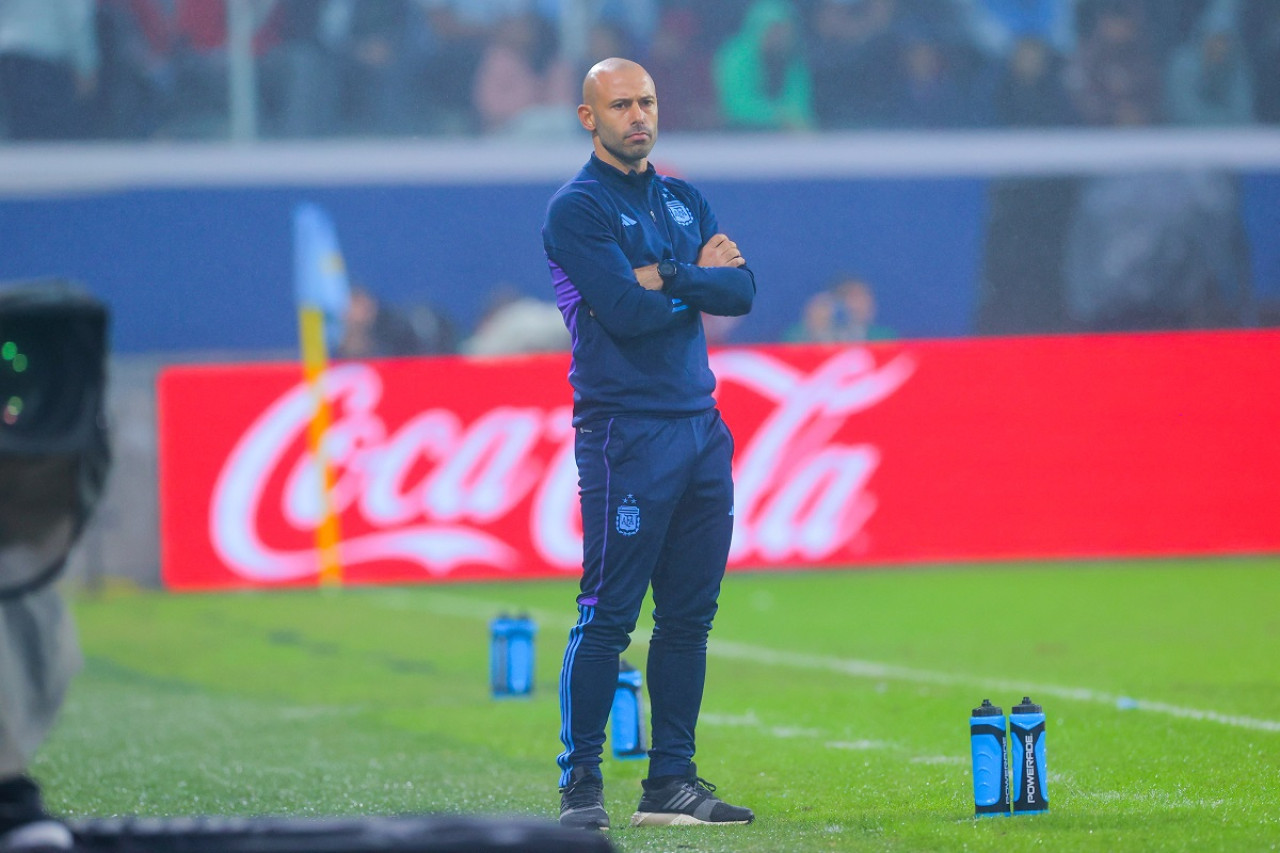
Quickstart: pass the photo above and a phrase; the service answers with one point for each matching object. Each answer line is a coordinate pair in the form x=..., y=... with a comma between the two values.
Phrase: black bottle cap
x=988, y=710
x=1027, y=707
x=623, y=666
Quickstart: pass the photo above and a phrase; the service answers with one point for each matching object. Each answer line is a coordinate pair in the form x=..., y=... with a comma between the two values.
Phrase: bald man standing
x=635, y=258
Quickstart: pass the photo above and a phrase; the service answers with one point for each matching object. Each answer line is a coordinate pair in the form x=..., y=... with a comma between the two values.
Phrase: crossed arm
x=719, y=251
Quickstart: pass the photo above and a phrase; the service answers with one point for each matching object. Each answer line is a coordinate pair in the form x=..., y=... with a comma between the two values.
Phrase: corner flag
x=322, y=292
x=319, y=273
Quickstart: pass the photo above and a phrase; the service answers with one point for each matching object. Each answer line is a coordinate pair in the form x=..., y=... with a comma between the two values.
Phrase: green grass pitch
x=837, y=706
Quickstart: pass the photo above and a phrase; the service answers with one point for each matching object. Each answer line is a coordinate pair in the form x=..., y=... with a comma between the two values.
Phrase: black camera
x=54, y=452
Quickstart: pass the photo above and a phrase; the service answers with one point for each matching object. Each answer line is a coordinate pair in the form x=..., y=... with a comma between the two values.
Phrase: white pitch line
x=872, y=669
x=453, y=605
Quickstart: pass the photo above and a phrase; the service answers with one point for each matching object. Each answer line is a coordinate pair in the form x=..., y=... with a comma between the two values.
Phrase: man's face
x=623, y=114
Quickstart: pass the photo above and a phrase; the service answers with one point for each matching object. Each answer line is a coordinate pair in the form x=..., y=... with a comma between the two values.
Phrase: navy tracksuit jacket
x=654, y=459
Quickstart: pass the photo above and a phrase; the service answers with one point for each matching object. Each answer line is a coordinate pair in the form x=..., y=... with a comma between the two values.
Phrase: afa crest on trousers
x=628, y=520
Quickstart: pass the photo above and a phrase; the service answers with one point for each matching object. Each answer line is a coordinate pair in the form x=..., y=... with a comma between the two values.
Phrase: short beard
x=625, y=156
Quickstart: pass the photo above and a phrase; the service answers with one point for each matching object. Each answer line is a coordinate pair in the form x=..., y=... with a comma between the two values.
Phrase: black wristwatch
x=668, y=269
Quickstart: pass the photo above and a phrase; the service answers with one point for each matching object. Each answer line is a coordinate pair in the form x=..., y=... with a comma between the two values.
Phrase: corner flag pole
x=320, y=284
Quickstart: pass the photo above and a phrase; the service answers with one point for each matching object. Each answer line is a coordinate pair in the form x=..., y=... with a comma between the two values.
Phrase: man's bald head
x=607, y=71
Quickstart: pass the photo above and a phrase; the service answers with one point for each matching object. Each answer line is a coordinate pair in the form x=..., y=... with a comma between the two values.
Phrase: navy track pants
x=657, y=509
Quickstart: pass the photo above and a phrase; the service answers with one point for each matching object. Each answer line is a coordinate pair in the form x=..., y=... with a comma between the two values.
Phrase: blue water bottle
x=520, y=654
x=990, y=765
x=499, y=642
x=626, y=718
x=1030, y=773
x=511, y=655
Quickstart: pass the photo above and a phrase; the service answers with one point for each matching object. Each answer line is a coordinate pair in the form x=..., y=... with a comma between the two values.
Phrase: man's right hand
x=648, y=277
x=720, y=251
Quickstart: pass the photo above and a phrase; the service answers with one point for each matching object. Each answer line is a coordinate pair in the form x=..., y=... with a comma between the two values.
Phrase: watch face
x=666, y=268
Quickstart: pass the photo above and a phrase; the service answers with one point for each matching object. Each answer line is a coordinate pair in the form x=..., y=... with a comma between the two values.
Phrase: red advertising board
x=923, y=451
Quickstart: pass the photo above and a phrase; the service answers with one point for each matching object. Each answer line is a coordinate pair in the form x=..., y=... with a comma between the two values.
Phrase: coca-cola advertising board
x=448, y=468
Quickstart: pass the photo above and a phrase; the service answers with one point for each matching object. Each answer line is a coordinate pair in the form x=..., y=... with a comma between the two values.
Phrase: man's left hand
x=720, y=251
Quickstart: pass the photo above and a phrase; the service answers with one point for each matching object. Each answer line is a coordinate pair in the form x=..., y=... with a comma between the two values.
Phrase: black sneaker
x=686, y=802
x=24, y=824
x=582, y=802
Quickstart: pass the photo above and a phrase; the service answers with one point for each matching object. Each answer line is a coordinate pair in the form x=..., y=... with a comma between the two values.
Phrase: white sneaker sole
x=677, y=819
x=38, y=835
x=593, y=824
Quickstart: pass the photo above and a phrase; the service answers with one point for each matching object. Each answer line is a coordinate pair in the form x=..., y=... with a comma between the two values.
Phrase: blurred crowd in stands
x=1066, y=253
x=130, y=69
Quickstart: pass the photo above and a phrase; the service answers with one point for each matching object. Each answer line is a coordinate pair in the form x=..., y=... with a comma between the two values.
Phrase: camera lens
x=40, y=387
x=52, y=350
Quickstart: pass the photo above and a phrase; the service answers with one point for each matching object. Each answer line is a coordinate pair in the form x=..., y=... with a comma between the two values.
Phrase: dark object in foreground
x=400, y=834
x=54, y=452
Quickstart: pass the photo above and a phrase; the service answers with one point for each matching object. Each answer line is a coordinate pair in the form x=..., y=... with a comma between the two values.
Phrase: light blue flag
x=319, y=273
